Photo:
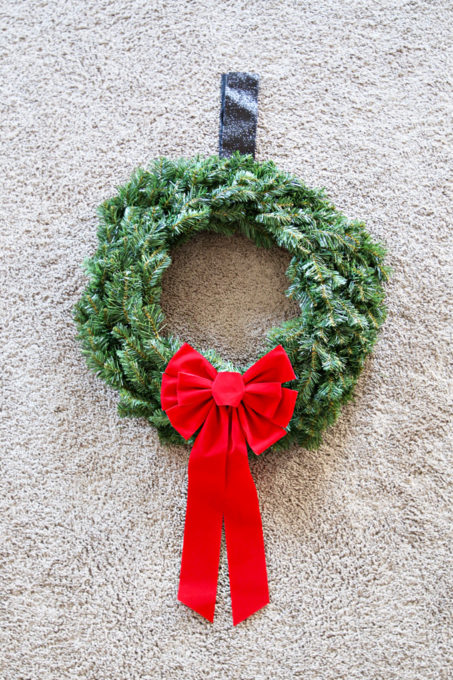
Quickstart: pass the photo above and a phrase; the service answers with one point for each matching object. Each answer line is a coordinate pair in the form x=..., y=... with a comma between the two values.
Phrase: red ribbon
x=231, y=409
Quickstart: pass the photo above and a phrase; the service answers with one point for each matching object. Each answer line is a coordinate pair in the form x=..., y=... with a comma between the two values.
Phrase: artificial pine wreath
x=336, y=276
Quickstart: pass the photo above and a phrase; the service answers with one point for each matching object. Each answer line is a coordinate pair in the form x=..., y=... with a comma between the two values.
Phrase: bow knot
x=229, y=410
x=228, y=388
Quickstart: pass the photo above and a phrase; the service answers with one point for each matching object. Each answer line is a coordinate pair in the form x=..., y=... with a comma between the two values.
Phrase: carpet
x=354, y=97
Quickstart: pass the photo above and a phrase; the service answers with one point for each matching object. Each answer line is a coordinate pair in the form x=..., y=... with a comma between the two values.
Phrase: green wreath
x=336, y=276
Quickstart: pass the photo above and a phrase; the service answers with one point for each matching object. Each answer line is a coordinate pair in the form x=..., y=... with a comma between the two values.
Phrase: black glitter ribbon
x=238, y=113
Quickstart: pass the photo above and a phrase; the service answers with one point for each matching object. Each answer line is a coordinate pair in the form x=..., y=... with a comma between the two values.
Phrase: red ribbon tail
x=243, y=533
x=204, y=515
x=201, y=549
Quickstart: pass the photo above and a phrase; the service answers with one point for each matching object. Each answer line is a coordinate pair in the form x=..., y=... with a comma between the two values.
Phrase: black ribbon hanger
x=238, y=113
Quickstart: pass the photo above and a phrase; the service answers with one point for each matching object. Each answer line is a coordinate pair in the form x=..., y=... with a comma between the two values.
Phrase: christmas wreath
x=290, y=394
x=336, y=276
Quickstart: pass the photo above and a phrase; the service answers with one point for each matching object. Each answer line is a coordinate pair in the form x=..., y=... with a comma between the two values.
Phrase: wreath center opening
x=225, y=292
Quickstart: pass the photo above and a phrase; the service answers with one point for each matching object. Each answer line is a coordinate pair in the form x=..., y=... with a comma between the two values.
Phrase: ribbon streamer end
x=239, y=616
x=206, y=611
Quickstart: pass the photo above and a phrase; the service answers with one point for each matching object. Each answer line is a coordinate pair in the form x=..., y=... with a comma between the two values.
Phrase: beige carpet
x=354, y=97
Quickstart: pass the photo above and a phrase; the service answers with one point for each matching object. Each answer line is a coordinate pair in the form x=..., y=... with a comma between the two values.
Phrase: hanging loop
x=238, y=113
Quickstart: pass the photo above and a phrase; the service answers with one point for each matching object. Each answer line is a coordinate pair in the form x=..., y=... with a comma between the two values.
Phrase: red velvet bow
x=231, y=409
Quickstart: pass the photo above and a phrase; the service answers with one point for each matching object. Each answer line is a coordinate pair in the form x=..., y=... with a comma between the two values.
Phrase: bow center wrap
x=228, y=388
x=229, y=410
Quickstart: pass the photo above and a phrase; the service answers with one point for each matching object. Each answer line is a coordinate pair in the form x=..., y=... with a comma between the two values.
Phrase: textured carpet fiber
x=354, y=97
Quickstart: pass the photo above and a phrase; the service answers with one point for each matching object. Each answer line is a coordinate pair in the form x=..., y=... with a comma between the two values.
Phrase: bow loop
x=263, y=397
x=187, y=359
x=274, y=366
x=193, y=389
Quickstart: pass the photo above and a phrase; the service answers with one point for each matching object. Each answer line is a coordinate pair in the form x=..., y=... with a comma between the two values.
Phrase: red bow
x=231, y=409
